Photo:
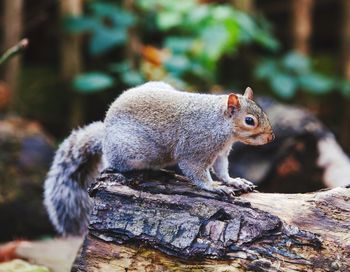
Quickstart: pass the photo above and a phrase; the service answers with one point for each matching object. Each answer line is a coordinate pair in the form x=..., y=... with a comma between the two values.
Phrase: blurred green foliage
x=106, y=23
x=195, y=36
x=92, y=81
x=200, y=35
x=186, y=41
x=292, y=72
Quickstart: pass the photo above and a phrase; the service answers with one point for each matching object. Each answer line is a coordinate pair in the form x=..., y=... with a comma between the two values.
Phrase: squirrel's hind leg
x=126, y=151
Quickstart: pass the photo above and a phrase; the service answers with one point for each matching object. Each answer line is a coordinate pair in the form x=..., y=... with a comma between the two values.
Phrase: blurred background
x=83, y=54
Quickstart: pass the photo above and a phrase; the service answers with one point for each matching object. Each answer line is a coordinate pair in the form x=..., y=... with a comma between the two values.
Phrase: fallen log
x=158, y=221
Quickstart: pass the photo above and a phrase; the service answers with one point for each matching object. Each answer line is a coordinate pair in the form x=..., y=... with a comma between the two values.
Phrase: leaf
x=266, y=40
x=119, y=67
x=179, y=44
x=284, y=85
x=233, y=30
x=214, y=40
x=316, y=83
x=77, y=24
x=92, y=82
x=179, y=6
x=198, y=70
x=221, y=12
x=153, y=54
x=167, y=20
x=145, y=4
x=119, y=17
x=132, y=78
x=199, y=15
x=296, y=62
x=128, y=75
x=123, y=18
x=102, y=9
x=105, y=39
x=177, y=64
x=266, y=69
x=344, y=87
x=264, y=36
x=246, y=23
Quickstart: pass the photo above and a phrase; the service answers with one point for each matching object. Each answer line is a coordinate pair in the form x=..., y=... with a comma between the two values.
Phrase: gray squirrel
x=150, y=127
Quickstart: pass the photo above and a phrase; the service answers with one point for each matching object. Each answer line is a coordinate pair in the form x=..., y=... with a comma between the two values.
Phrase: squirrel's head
x=250, y=122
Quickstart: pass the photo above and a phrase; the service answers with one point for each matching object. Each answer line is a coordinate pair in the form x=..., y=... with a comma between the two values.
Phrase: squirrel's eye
x=249, y=121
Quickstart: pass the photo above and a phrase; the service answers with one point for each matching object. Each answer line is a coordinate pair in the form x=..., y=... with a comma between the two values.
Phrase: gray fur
x=74, y=167
x=152, y=126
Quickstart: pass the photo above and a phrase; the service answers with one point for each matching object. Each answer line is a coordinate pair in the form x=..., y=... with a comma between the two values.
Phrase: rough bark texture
x=157, y=221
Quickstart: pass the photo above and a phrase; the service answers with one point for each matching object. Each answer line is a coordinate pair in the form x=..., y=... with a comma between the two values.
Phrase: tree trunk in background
x=244, y=5
x=12, y=21
x=133, y=47
x=71, y=61
x=345, y=130
x=301, y=25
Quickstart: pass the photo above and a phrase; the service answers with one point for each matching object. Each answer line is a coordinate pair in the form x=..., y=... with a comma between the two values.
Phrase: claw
x=222, y=189
x=232, y=193
x=241, y=184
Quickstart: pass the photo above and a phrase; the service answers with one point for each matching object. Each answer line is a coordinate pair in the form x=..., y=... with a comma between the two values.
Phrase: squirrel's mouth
x=256, y=135
x=262, y=137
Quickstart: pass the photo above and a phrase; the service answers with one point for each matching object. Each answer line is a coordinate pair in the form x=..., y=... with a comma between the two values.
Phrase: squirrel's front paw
x=241, y=184
x=218, y=187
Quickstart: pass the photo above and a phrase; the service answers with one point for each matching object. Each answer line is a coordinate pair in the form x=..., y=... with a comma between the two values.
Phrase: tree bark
x=12, y=21
x=158, y=221
x=301, y=25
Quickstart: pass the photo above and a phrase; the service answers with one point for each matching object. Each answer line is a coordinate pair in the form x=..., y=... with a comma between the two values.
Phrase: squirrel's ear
x=248, y=93
x=232, y=104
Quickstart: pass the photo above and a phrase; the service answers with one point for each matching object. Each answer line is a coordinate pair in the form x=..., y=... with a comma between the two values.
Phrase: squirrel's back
x=162, y=108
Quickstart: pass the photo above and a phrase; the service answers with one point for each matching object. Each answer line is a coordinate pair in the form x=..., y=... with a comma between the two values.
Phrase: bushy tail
x=75, y=165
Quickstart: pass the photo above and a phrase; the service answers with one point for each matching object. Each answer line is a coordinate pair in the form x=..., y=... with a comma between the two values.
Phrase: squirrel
x=150, y=127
